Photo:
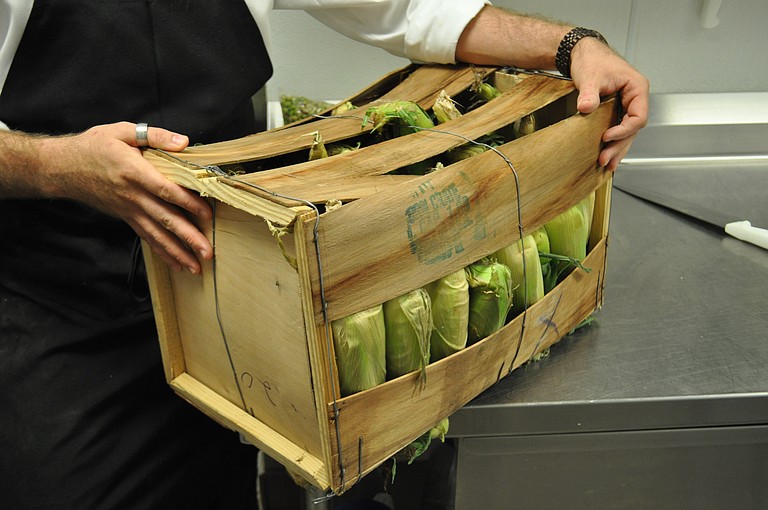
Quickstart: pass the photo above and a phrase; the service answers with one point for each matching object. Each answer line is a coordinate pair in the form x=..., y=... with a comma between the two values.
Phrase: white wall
x=662, y=38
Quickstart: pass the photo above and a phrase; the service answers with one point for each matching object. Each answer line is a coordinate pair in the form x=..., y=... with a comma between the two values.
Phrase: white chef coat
x=419, y=30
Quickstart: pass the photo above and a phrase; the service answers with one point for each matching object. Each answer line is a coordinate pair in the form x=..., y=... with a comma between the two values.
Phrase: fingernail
x=192, y=269
x=179, y=139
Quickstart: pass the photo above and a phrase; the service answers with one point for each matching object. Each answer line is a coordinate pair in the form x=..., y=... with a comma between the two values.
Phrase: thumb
x=589, y=98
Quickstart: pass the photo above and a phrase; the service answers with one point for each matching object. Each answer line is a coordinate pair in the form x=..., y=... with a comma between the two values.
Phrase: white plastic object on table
x=746, y=232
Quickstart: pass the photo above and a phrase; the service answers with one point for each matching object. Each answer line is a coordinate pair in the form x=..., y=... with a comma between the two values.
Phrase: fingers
x=613, y=153
x=170, y=230
x=157, y=138
x=173, y=237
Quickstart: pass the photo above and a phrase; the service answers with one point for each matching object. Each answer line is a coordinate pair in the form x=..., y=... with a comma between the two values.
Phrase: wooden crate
x=248, y=341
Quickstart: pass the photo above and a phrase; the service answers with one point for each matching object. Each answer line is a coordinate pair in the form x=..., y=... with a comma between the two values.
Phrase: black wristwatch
x=563, y=57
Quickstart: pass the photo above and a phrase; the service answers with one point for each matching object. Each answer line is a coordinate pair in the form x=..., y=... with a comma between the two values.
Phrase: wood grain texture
x=317, y=180
x=164, y=309
x=375, y=249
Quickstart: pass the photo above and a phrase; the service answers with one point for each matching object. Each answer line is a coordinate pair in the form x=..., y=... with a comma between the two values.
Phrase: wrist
x=568, y=44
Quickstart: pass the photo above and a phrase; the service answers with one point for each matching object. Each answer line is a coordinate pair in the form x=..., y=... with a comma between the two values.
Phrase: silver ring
x=142, y=139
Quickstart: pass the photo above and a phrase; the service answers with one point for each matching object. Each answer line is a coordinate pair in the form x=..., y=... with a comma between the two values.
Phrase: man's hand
x=498, y=37
x=599, y=71
x=103, y=168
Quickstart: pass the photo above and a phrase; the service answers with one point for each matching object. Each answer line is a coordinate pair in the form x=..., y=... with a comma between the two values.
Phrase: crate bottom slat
x=254, y=431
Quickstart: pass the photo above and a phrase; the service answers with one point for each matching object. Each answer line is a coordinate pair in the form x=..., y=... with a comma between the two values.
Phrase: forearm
x=25, y=165
x=499, y=37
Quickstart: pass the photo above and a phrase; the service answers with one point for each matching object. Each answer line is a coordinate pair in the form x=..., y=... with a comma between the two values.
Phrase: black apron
x=86, y=418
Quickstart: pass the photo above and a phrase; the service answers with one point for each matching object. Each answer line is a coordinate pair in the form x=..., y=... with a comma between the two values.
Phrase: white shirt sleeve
x=419, y=30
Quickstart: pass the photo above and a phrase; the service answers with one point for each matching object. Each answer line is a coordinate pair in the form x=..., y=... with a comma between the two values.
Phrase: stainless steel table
x=662, y=402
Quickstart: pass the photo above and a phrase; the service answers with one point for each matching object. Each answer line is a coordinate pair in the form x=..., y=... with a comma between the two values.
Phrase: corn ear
x=525, y=125
x=485, y=90
x=587, y=205
x=541, y=239
x=408, y=323
x=360, y=344
x=343, y=108
x=317, y=149
x=490, y=297
x=548, y=264
x=568, y=234
x=340, y=148
x=445, y=108
x=405, y=116
x=464, y=151
x=522, y=259
x=450, y=314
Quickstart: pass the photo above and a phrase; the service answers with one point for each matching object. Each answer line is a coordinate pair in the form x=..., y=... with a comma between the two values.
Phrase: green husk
x=568, y=236
x=360, y=344
x=541, y=239
x=490, y=297
x=522, y=259
x=450, y=314
x=404, y=116
x=422, y=443
x=485, y=90
x=408, y=323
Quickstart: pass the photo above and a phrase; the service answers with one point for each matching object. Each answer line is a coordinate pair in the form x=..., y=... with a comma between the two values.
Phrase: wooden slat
x=164, y=308
x=321, y=358
x=388, y=417
x=421, y=86
x=304, y=179
x=260, y=435
x=417, y=232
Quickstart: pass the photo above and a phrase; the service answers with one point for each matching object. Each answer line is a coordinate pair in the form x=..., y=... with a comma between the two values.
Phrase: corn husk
x=343, y=108
x=317, y=149
x=548, y=265
x=421, y=444
x=541, y=239
x=485, y=90
x=525, y=125
x=464, y=151
x=450, y=314
x=335, y=149
x=568, y=234
x=404, y=116
x=490, y=297
x=587, y=205
x=522, y=259
x=408, y=323
x=445, y=108
x=360, y=344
